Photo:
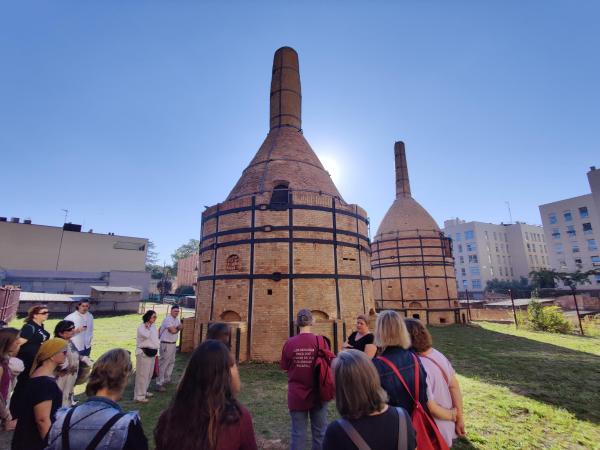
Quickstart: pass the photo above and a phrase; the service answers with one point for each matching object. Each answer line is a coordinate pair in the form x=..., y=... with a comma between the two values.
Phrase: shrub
x=547, y=318
x=591, y=325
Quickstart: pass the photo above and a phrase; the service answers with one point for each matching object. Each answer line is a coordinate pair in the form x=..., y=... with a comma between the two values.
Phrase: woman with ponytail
x=204, y=413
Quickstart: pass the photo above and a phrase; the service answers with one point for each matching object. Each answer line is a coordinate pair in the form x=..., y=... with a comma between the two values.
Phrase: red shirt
x=298, y=360
x=238, y=436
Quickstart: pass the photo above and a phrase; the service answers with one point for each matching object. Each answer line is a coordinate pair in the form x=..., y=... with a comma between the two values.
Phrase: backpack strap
x=417, y=377
x=354, y=435
x=105, y=429
x=397, y=373
x=65, y=430
x=402, y=429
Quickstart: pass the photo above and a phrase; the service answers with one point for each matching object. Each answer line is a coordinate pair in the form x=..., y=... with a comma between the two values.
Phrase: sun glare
x=332, y=166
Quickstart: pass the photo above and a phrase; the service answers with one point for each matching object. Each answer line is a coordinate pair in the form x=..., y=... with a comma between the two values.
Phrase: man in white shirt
x=84, y=327
x=168, y=334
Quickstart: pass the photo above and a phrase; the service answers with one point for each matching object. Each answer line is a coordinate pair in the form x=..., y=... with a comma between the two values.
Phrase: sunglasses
x=70, y=329
x=44, y=313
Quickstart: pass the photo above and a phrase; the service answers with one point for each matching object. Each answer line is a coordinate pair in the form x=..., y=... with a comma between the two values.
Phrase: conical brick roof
x=405, y=214
x=285, y=157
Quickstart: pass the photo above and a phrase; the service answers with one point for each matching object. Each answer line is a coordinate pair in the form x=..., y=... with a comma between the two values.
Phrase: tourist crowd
x=392, y=389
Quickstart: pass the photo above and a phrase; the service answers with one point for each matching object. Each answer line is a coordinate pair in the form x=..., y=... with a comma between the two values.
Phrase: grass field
x=523, y=390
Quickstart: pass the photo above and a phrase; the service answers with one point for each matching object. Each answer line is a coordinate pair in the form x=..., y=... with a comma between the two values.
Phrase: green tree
x=572, y=279
x=185, y=290
x=543, y=278
x=185, y=250
x=151, y=256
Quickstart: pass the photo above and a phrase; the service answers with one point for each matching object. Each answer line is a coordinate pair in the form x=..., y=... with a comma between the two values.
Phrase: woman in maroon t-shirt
x=298, y=359
x=204, y=412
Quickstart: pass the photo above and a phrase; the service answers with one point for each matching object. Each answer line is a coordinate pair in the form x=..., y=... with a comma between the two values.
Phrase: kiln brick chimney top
x=286, y=96
x=402, y=181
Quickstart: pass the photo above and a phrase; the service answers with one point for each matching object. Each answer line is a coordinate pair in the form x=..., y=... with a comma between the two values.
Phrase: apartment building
x=572, y=228
x=486, y=251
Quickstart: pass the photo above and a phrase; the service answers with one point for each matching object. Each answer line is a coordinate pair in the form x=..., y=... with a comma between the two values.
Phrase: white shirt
x=165, y=334
x=82, y=340
x=146, y=338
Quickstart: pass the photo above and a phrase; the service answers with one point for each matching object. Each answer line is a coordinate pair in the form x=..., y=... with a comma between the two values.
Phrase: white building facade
x=572, y=228
x=486, y=251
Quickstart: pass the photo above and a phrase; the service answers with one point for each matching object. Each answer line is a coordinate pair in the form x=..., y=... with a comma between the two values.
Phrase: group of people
x=38, y=375
x=380, y=379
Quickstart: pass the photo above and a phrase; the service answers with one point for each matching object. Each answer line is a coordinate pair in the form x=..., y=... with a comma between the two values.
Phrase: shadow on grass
x=547, y=373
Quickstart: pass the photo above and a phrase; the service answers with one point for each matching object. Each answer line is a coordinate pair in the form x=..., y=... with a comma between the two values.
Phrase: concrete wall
x=37, y=247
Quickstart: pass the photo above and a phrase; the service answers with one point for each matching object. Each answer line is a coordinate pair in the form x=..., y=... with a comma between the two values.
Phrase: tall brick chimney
x=286, y=96
x=402, y=181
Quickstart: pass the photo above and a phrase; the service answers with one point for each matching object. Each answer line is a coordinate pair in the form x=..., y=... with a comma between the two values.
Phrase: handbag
x=150, y=352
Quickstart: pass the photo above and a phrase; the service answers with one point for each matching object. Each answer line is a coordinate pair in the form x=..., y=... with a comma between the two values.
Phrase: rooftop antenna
x=66, y=211
x=509, y=211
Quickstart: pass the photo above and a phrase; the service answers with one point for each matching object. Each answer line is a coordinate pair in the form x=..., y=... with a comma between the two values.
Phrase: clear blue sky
x=135, y=114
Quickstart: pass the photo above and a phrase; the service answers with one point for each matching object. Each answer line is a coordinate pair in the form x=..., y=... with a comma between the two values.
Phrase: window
x=536, y=260
x=458, y=237
x=475, y=270
x=280, y=197
x=558, y=249
x=591, y=244
x=528, y=247
x=533, y=247
x=530, y=259
x=473, y=259
x=526, y=236
x=465, y=284
x=471, y=247
x=552, y=218
x=555, y=233
x=587, y=228
x=469, y=234
x=463, y=272
x=504, y=259
x=583, y=212
x=491, y=271
x=495, y=236
x=485, y=233
x=511, y=272
x=500, y=270
x=497, y=248
x=502, y=247
x=597, y=278
x=462, y=259
x=476, y=284
x=568, y=216
x=578, y=263
x=595, y=261
x=459, y=248
x=571, y=230
x=575, y=248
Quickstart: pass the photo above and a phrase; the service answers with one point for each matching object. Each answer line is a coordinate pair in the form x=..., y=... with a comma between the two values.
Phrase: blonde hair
x=358, y=390
x=390, y=331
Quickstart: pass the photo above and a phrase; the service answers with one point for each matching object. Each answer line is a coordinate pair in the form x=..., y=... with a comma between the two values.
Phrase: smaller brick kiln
x=411, y=259
x=284, y=239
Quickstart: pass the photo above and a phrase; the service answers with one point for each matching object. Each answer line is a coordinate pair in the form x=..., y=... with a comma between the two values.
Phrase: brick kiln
x=284, y=239
x=411, y=259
